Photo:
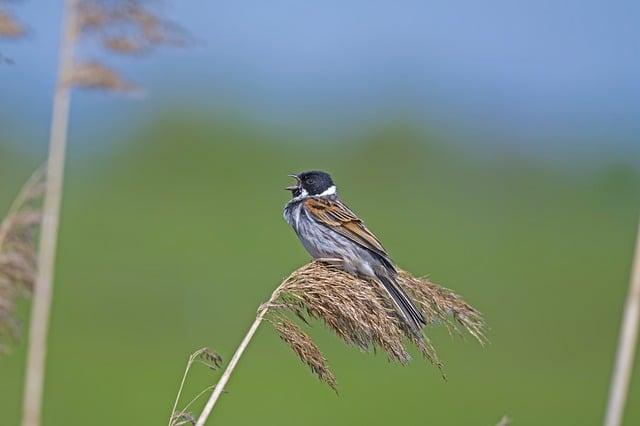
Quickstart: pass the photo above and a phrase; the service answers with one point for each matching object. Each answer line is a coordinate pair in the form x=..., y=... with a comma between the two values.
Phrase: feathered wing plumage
x=332, y=213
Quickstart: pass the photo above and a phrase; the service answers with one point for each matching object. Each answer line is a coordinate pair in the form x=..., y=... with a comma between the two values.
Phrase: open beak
x=294, y=187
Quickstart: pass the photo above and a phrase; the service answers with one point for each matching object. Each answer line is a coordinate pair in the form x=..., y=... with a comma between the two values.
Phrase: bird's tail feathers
x=407, y=310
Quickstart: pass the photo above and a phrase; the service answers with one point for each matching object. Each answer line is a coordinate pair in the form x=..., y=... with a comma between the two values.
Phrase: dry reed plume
x=361, y=314
x=18, y=255
x=306, y=349
x=95, y=75
x=9, y=26
x=129, y=26
x=356, y=310
x=122, y=27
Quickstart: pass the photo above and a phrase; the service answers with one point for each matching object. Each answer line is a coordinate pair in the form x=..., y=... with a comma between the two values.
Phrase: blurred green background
x=171, y=240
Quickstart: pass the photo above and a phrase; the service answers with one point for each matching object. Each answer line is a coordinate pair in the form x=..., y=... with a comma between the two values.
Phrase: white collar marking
x=329, y=191
x=304, y=194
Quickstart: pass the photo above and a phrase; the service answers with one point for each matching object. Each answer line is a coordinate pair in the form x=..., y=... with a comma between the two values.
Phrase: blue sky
x=521, y=74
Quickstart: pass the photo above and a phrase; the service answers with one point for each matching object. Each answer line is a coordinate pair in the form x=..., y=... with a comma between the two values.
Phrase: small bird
x=333, y=234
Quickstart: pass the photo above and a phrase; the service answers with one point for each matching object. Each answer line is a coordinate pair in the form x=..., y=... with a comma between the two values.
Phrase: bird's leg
x=331, y=261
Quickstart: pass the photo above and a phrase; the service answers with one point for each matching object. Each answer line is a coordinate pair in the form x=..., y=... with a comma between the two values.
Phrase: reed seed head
x=18, y=258
x=10, y=27
x=441, y=305
x=306, y=349
x=211, y=359
x=122, y=27
x=128, y=26
x=360, y=312
x=97, y=76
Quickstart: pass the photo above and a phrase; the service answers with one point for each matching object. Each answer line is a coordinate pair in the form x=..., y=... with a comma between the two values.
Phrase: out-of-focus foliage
x=9, y=26
x=171, y=241
x=18, y=257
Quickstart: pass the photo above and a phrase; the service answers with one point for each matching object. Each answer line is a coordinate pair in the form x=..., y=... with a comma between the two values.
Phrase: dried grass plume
x=360, y=312
x=306, y=349
x=18, y=258
x=10, y=27
x=97, y=76
x=121, y=27
x=129, y=26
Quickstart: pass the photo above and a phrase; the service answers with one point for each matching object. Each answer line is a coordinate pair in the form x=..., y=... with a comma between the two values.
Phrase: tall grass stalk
x=219, y=388
x=627, y=343
x=40, y=311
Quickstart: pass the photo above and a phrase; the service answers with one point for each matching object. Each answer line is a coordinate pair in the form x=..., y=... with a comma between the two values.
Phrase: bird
x=333, y=234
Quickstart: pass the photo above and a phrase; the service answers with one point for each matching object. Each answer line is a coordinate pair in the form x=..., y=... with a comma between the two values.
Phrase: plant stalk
x=39, y=324
x=627, y=342
x=217, y=391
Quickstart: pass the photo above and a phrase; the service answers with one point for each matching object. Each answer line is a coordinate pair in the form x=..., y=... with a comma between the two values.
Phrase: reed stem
x=217, y=391
x=43, y=291
x=627, y=343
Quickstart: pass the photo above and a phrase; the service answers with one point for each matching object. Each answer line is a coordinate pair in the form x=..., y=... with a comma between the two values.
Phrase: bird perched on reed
x=332, y=233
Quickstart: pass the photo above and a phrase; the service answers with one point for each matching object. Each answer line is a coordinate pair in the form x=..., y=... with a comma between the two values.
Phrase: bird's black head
x=313, y=183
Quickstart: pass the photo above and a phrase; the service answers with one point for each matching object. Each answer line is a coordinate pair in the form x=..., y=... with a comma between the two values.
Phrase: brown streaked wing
x=335, y=215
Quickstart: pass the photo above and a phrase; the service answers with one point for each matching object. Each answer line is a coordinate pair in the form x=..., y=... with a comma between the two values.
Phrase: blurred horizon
x=539, y=79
